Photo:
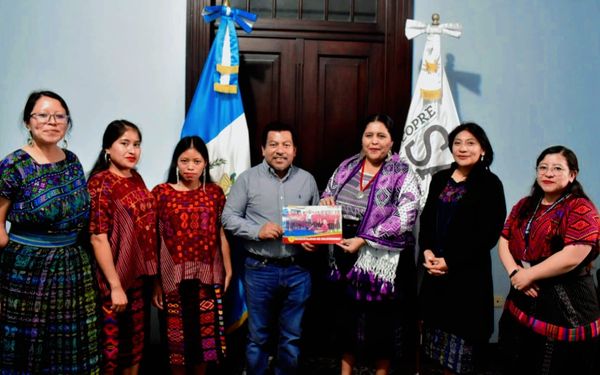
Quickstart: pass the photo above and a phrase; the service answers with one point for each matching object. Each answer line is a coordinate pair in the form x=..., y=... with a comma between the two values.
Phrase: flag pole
x=216, y=114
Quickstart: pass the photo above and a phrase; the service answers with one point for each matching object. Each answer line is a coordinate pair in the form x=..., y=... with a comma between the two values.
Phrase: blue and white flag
x=432, y=114
x=216, y=115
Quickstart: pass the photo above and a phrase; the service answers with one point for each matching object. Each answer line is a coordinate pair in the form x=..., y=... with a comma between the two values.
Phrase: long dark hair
x=35, y=96
x=113, y=131
x=574, y=188
x=183, y=145
x=482, y=138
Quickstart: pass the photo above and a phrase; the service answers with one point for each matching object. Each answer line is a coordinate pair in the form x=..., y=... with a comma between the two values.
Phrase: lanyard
x=360, y=194
x=531, y=220
x=362, y=175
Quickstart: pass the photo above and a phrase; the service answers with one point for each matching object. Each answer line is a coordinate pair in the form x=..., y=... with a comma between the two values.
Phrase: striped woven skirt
x=48, y=310
x=449, y=350
x=123, y=333
x=194, y=324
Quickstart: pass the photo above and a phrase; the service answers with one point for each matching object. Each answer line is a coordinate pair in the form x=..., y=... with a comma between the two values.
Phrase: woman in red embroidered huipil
x=195, y=265
x=124, y=238
x=551, y=319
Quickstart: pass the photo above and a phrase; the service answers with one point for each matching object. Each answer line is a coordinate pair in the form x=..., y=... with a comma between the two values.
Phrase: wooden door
x=333, y=85
x=319, y=76
x=343, y=82
x=268, y=85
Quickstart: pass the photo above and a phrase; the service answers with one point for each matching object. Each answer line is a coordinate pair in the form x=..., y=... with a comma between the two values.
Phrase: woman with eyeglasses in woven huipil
x=48, y=311
x=551, y=319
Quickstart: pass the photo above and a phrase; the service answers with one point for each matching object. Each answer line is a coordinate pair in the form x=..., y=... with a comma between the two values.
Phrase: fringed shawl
x=386, y=226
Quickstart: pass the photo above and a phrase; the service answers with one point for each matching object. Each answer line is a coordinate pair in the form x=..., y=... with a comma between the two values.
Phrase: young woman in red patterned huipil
x=551, y=319
x=195, y=265
x=124, y=238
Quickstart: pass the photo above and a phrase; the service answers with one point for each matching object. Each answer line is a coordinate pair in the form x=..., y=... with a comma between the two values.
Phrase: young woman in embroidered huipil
x=124, y=238
x=379, y=196
x=48, y=292
x=460, y=225
x=195, y=265
x=551, y=319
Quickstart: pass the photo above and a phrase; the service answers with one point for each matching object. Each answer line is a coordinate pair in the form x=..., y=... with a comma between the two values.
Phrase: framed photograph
x=312, y=224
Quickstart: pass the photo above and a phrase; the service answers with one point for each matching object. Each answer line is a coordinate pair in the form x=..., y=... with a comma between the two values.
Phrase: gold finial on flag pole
x=226, y=3
x=435, y=17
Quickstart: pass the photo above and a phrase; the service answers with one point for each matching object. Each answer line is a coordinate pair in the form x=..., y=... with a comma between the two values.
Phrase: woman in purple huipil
x=379, y=196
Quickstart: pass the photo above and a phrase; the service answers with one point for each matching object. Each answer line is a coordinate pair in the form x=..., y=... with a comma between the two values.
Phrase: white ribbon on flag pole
x=432, y=113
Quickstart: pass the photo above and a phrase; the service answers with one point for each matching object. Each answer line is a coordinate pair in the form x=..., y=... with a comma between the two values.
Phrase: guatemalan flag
x=216, y=114
x=432, y=114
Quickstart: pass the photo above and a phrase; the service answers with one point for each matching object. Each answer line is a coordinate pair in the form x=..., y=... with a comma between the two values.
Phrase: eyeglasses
x=543, y=169
x=44, y=118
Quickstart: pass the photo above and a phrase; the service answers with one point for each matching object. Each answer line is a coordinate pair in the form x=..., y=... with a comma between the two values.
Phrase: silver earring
x=177, y=174
x=482, y=155
x=106, y=157
x=65, y=143
x=29, y=140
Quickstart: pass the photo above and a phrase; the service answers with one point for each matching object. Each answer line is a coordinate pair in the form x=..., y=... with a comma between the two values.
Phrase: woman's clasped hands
x=523, y=281
x=436, y=266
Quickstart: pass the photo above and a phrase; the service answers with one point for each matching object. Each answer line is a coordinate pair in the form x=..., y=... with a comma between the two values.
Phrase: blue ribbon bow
x=243, y=19
x=226, y=55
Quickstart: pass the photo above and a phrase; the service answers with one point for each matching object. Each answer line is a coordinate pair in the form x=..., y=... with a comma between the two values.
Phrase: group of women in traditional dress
x=61, y=312
x=83, y=259
x=551, y=320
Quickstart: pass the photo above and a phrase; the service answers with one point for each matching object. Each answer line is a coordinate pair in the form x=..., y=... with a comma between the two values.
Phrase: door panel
x=322, y=95
x=267, y=83
x=342, y=83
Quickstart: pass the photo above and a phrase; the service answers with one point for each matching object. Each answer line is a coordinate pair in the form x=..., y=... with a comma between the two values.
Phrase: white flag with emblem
x=432, y=114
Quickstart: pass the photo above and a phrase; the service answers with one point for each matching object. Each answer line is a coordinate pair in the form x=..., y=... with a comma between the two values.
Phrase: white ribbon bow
x=415, y=28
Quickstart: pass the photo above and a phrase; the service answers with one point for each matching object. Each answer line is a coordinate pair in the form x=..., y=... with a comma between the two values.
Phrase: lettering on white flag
x=432, y=114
